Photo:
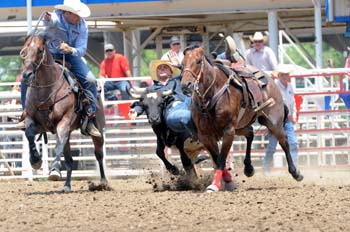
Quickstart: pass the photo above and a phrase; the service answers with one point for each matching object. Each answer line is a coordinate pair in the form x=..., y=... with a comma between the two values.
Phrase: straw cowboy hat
x=154, y=65
x=75, y=7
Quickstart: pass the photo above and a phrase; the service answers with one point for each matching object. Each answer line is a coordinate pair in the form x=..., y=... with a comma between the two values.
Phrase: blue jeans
x=82, y=72
x=109, y=86
x=24, y=88
x=179, y=118
x=271, y=147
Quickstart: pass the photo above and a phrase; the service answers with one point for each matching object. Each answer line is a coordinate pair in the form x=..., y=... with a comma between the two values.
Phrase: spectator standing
x=175, y=48
x=283, y=82
x=115, y=65
x=261, y=56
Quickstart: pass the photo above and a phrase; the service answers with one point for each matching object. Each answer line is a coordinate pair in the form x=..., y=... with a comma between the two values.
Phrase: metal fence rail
x=323, y=135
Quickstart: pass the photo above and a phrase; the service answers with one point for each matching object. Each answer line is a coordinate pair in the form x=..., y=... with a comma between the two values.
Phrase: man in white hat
x=67, y=35
x=175, y=51
x=282, y=73
x=260, y=55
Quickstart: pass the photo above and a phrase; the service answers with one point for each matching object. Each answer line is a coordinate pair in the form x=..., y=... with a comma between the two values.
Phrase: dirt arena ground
x=275, y=203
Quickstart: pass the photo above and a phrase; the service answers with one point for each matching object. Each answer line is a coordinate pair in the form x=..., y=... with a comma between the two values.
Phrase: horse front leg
x=61, y=140
x=248, y=133
x=221, y=172
x=30, y=132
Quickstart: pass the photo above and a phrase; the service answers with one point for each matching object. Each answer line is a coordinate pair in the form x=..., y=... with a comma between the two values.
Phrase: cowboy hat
x=75, y=7
x=282, y=68
x=258, y=36
x=154, y=65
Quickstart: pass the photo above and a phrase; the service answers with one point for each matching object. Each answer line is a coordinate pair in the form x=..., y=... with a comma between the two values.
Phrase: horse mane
x=39, y=33
x=194, y=46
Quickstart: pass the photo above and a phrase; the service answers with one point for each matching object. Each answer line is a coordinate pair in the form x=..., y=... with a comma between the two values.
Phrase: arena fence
x=323, y=133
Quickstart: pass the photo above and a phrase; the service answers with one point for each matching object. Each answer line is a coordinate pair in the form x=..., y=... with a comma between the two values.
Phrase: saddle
x=251, y=81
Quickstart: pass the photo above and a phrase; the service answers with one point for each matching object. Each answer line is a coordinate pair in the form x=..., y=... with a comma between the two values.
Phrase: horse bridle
x=197, y=78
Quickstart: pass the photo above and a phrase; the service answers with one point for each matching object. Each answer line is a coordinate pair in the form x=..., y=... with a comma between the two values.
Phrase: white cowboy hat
x=154, y=65
x=75, y=7
x=283, y=68
x=258, y=36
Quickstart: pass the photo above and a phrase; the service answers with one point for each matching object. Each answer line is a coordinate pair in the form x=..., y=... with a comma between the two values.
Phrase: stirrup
x=92, y=130
x=270, y=102
x=21, y=125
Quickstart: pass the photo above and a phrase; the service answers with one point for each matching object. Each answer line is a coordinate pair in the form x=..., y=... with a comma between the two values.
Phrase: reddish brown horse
x=218, y=114
x=51, y=107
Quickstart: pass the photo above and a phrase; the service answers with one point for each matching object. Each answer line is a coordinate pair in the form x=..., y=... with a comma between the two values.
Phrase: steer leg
x=185, y=159
x=160, y=153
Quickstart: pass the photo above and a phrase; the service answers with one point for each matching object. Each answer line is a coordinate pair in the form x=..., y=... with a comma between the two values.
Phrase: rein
x=210, y=103
x=198, y=77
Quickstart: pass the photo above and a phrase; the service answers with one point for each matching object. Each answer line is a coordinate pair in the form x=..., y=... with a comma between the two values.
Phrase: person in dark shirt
x=178, y=113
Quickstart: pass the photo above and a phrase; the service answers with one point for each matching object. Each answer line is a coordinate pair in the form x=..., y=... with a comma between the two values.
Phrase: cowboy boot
x=22, y=123
x=231, y=52
x=91, y=128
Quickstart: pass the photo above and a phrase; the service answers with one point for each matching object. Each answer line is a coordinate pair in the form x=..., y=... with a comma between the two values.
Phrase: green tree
x=9, y=69
x=328, y=53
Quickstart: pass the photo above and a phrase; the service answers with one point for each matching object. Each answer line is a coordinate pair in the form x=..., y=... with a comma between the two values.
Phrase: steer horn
x=170, y=91
x=135, y=93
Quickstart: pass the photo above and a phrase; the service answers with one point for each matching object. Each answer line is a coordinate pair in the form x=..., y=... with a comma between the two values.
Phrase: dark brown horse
x=51, y=107
x=218, y=113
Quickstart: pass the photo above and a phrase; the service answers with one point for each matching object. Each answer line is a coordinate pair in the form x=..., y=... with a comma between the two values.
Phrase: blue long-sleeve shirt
x=58, y=30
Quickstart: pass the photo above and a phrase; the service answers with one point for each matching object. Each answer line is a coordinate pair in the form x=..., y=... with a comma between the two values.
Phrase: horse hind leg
x=280, y=135
x=69, y=167
x=248, y=133
x=35, y=158
x=98, y=144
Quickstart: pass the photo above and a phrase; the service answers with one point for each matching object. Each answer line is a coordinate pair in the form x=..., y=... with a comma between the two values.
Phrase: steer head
x=152, y=102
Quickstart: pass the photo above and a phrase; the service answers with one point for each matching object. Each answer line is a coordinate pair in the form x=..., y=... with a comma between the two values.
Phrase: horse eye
x=199, y=61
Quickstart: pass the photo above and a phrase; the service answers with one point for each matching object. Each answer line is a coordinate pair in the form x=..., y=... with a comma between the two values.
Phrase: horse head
x=192, y=67
x=152, y=102
x=34, y=53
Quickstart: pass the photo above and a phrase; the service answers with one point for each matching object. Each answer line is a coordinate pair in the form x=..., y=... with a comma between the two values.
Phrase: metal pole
x=29, y=16
x=318, y=32
x=273, y=30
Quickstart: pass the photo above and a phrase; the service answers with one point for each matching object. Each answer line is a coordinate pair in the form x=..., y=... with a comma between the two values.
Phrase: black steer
x=153, y=103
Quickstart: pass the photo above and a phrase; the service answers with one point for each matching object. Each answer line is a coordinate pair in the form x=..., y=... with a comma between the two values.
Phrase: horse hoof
x=249, y=172
x=37, y=165
x=66, y=189
x=174, y=171
x=54, y=175
x=299, y=177
x=229, y=186
x=212, y=188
